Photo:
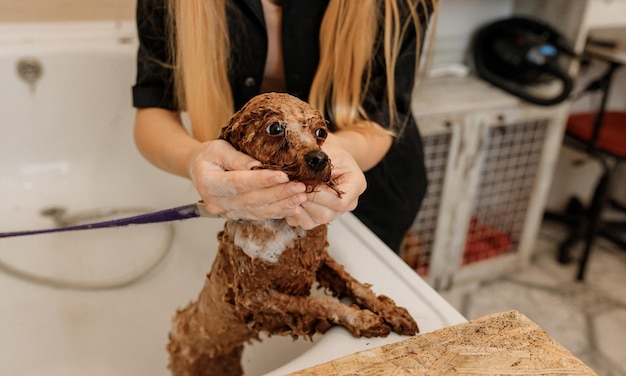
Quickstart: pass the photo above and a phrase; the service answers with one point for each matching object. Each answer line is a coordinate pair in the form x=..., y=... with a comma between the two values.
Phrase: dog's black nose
x=317, y=160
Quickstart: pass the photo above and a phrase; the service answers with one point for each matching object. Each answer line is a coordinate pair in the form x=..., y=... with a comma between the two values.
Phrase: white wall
x=458, y=19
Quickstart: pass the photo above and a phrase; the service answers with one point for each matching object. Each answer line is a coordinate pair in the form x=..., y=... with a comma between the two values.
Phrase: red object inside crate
x=484, y=242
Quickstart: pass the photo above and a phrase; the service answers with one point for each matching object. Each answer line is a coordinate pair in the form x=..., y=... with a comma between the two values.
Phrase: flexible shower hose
x=107, y=284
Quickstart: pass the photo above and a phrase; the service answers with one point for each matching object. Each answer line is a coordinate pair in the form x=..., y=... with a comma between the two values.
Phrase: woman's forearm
x=367, y=146
x=162, y=140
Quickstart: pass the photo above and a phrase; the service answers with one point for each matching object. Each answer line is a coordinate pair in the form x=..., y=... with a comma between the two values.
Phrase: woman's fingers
x=229, y=183
x=228, y=186
x=321, y=207
x=223, y=154
x=251, y=194
x=324, y=204
x=302, y=219
x=276, y=210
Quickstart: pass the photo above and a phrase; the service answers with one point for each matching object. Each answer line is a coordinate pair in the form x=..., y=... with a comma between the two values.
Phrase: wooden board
x=506, y=343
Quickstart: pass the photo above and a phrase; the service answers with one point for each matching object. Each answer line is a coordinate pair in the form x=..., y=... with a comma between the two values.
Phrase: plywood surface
x=506, y=343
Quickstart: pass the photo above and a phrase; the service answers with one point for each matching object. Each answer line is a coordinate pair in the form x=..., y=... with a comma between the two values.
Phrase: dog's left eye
x=321, y=133
x=275, y=129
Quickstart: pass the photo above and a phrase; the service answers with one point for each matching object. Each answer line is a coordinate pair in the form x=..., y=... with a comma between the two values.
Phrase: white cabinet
x=490, y=161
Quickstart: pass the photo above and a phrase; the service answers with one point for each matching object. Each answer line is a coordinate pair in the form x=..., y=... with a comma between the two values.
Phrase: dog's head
x=283, y=133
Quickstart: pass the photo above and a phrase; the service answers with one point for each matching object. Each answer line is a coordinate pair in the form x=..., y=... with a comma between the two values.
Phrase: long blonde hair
x=347, y=41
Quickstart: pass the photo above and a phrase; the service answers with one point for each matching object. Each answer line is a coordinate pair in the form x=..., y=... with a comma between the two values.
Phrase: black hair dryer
x=516, y=53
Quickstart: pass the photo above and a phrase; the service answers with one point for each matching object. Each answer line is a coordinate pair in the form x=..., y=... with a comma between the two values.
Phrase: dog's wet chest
x=279, y=256
x=264, y=240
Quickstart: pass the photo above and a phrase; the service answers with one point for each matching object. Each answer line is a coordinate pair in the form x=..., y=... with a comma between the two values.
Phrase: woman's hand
x=229, y=188
x=324, y=205
x=224, y=179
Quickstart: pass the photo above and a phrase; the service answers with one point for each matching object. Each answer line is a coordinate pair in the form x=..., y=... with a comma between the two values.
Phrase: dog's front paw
x=398, y=318
x=365, y=323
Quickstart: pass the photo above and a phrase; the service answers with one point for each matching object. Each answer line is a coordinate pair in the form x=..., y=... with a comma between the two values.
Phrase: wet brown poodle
x=264, y=270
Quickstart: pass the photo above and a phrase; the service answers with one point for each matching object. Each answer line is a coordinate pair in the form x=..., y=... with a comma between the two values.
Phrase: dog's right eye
x=275, y=129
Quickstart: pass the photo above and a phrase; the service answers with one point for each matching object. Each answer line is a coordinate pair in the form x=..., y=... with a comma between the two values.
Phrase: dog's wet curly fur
x=264, y=270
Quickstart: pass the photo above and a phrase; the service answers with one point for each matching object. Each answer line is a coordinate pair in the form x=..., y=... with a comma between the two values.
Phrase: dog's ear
x=227, y=132
x=233, y=131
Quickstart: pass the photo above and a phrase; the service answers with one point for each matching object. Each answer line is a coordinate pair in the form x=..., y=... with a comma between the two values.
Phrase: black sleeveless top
x=395, y=187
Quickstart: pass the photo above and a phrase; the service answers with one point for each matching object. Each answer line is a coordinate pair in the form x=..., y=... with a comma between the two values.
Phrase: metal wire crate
x=490, y=160
x=507, y=178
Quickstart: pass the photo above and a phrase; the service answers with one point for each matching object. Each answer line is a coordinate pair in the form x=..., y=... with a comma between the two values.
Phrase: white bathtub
x=67, y=142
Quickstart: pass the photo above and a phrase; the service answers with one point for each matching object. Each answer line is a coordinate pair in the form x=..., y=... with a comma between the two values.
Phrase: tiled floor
x=588, y=318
